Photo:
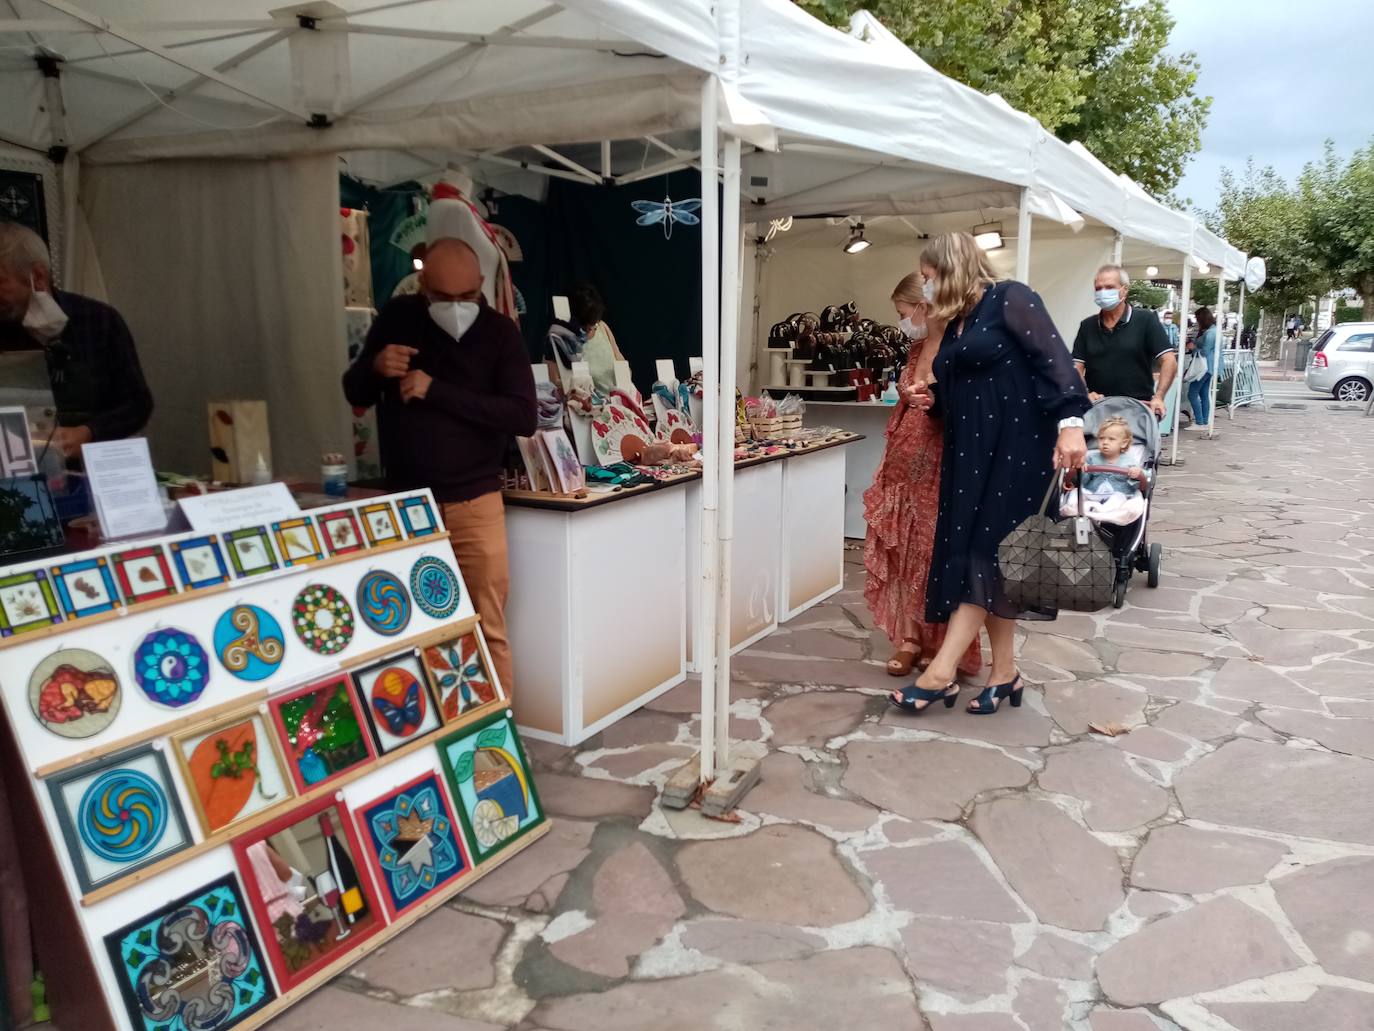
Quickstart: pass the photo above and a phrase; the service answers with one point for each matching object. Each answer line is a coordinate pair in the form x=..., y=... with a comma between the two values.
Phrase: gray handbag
x=1050, y=564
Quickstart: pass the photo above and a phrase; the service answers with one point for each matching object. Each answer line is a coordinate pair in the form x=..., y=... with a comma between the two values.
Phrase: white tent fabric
x=254, y=309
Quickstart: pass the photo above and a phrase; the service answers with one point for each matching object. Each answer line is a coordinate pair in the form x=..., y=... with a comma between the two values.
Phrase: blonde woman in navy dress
x=1013, y=411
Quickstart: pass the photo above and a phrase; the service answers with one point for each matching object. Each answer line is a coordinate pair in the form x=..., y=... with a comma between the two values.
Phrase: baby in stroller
x=1110, y=497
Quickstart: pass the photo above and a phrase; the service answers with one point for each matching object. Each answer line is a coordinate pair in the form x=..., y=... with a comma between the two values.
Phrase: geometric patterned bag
x=1048, y=564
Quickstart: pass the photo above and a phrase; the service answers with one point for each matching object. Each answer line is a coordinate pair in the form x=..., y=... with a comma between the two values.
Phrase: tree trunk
x=1365, y=284
x=1270, y=340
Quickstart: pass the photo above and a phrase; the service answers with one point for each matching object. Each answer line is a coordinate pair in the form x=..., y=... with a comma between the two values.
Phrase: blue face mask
x=1106, y=299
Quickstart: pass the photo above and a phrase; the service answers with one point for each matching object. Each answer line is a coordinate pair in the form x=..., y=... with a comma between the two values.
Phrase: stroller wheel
x=1119, y=594
x=1156, y=558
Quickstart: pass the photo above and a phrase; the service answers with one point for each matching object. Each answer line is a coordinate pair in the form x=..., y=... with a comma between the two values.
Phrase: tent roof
x=864, y=126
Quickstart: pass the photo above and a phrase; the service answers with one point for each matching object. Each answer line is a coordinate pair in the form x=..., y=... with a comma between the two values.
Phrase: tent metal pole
x=1118, y=241
x=671, y=151
x=134, y=39
x=568, y=163
x=186, y=87
x=662, y=168
x=1240, y=332
x=1220, y=347
x=1023, y=237
x=483, y=39
x=605, y=159
x=496, y=159
x=1183, y=303
x=704, y=646
x=445, y=60
x=729, y=343
x=71, y=62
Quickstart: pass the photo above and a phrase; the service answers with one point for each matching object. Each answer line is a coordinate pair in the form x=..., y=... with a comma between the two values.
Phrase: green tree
x=1260, y=213
x=1339, y=204
x=1089, y=70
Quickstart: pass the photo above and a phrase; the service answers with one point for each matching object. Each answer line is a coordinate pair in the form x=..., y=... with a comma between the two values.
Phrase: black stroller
x=1130, y=542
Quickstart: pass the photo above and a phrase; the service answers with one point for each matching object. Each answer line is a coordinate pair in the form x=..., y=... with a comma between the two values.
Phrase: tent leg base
x=726, y=791
x=683, y=784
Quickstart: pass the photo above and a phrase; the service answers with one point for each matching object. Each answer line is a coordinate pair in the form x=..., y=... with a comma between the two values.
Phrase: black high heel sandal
x=990, y=698
x=913, y=694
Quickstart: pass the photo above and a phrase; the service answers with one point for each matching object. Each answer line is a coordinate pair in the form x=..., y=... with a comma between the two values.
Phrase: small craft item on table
x=461, y=672
x=322, y=619
x=492, y=789
x=411, y=836
x=233, y=768
x=249, y=642
x=118, y=814
x=74, y=693
x=417, y=516
x=396, y=699
x=310, y=891
x=171, y=667
x=195, y=964
x=566, y=470
x=661, y=452
x=27, y=602
x=250, y=551
x=340, y=530
x=435, y=587
x=297, y=542
x=240, y=436
x=199, y=561
x=321, y=731
x=85, y=587
x=143, y=573
x=383, y=603
x=379, y=523
x=619, y=434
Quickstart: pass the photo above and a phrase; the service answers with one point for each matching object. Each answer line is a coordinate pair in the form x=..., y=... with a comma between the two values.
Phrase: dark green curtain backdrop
x=386, y=210
x=651, y=285
x=581, y=233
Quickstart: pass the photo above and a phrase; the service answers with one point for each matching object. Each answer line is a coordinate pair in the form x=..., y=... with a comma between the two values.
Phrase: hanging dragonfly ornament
x=653, y=213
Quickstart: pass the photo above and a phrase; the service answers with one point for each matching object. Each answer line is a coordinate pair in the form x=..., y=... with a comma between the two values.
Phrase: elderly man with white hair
x=97, y=382
x=1116, y=350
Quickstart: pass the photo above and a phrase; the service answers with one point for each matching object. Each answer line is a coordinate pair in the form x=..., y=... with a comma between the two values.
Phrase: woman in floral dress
x=902, y=504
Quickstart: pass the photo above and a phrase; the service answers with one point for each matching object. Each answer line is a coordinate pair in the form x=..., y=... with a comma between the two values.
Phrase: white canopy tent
x=206, y=136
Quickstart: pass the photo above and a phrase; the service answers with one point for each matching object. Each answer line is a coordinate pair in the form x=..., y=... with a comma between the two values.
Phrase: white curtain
x=230, y=276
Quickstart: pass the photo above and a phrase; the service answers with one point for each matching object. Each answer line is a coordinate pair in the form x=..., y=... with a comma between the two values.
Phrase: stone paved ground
x=1211, y=869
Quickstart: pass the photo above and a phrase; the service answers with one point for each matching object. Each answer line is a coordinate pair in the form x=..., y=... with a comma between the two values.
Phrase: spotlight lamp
x=988, y=236
x=857, y=241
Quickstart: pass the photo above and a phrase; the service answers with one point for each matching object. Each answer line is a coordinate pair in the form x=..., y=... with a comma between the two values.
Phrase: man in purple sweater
x=452, y=384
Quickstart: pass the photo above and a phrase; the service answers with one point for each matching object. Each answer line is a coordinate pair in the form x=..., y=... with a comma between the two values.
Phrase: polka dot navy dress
x=1002, y=384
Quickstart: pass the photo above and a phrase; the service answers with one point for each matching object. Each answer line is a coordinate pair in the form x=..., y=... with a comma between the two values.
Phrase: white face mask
x=44, y=320
x=1107, y=299
x=454, y=317
x=910, y=329
x=928, y=291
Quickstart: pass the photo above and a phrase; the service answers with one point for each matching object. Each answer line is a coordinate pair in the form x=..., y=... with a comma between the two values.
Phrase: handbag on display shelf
x=1049, y=564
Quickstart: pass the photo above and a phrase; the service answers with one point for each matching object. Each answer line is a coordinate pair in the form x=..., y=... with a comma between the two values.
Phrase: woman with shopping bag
x=1013, y=413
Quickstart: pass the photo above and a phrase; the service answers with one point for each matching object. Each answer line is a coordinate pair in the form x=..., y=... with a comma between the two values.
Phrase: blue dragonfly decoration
x=653, y=213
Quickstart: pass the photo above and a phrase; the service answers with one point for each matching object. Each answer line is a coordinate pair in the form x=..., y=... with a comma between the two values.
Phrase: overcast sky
x=1284, y=76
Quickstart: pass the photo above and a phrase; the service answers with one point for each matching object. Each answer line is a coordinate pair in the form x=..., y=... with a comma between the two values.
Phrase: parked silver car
x=1341, y=362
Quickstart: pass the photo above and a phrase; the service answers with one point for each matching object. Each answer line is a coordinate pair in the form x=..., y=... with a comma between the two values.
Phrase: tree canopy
x=1338, y=203
x=1088, y=70
x=1259, y=212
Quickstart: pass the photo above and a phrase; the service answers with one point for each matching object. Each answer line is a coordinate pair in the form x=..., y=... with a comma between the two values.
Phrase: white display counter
x=597, y=614
x=604, y=589
x=862, y=458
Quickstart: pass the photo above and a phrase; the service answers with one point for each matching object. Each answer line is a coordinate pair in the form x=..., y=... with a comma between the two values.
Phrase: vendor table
x=863, y=457
x=597, y=612
x=604, y=588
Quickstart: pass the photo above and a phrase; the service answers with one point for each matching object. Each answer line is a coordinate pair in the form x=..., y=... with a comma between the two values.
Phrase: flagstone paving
x=1209, y=869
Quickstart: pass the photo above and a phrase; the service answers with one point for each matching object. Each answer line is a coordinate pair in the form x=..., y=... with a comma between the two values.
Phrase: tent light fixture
x=1152, y=271
x=419, y=263
x=857, y=241
x=988, y=236
x=1203, y=267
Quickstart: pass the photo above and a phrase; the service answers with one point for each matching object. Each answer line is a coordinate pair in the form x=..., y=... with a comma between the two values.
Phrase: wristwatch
x=1073, y=422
